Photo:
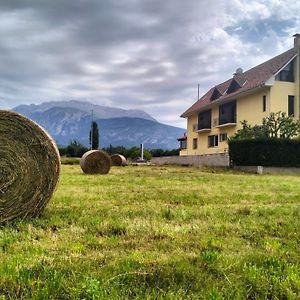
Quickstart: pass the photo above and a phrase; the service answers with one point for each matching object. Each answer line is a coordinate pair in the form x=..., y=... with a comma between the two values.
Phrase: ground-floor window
x=223, y=137
x=212, y=141
x=195, y=143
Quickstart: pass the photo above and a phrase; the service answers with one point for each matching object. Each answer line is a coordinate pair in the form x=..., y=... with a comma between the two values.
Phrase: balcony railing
x=204, y=127
x=224, y=122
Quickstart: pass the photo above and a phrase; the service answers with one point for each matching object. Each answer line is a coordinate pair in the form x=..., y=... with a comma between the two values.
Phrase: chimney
x=297, y=42
x=238, y=71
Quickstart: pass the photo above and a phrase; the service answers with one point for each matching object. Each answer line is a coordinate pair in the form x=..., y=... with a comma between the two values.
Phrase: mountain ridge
x=66, y=123
x=99, y=111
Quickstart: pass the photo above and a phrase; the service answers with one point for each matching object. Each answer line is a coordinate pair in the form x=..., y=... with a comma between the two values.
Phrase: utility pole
x=198, y=91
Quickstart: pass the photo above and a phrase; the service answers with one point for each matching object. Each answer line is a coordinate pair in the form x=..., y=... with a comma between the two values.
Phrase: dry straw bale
x=118, y=160
x=95, y=162
x=29, y=167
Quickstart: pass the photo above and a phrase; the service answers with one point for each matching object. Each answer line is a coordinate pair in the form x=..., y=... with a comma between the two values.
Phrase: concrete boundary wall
x=213, y=160
x=267, y=170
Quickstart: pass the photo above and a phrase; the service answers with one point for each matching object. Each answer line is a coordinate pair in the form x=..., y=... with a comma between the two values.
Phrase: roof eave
x=225, y=99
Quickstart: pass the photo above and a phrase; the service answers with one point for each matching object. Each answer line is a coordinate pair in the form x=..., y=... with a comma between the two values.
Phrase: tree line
x=76, y=149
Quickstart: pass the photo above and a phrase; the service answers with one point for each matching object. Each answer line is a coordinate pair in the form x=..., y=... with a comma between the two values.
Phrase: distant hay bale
x=29, y=167
x=118, y=160
x=95, y=162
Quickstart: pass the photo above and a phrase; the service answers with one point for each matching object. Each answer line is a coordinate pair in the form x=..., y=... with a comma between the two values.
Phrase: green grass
x=70, y=160
x=158, y=233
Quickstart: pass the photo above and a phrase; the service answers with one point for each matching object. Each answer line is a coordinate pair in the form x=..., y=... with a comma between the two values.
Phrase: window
x=195, y=143
x=291, y=105
x=215, y=95
x=287, y=73
x=234, y=86
x=183, y=145
x=223, y=137
x=212, y=141
x=264, y=103
x=227, y=113
x=204, y=120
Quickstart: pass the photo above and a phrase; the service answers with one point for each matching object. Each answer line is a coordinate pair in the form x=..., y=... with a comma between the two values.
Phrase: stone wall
x=213, y=160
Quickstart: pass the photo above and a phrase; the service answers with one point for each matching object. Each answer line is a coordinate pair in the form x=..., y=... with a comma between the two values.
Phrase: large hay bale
x=118, y=160
x=29, y=167
x=95, y=162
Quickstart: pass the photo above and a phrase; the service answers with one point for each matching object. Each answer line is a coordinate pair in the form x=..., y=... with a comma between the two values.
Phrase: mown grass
x=158, y=233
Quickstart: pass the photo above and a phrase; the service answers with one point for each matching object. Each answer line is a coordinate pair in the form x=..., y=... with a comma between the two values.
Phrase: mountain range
x=71, y=120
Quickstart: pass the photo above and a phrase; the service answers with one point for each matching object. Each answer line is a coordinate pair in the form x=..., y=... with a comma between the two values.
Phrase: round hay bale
x=95, y=162
x=29, y=167
x=118, y=160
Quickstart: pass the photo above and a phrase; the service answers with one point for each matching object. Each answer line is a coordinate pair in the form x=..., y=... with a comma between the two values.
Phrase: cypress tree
x=94, y=136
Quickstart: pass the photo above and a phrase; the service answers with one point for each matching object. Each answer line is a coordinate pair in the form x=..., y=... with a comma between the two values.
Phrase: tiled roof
x=182, y=138
x=248, y=80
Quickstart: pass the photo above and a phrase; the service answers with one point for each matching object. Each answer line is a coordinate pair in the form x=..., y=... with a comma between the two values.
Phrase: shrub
x=161, y=152
x=269, y=144
x=74, y=149
x=265, y=152
x=132, y=153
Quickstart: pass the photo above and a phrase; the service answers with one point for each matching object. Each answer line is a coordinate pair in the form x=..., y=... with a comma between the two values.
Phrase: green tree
x=94, y=136
x=276, y=125
x=74, y=149
x=134, y=153
x=280, y=125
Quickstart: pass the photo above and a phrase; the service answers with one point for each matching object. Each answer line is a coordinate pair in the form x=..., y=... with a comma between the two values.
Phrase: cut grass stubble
x=158, y=232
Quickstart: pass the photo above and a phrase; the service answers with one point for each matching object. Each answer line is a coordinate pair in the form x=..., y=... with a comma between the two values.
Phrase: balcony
x=203, y=126
x=227, y=115
x=203, y=130
x=224, y=122
x=226, y=125
x=204, y=121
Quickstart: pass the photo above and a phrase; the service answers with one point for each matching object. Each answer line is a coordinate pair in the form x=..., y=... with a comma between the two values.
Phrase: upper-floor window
x=204, y=120
x=227, y=113
x=183, y=145
x=264, y=103
x=195, y=143
x=287, y=73
x=234, y=86
x=291, y=105
x=215, y=95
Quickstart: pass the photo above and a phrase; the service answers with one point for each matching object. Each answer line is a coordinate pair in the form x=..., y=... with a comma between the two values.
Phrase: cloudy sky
x=139, y=54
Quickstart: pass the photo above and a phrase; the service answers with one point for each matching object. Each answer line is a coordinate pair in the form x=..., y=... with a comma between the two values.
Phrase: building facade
x=272, y=86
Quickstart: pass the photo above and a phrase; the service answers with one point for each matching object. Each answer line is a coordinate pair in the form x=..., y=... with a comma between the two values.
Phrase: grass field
x=158, y=233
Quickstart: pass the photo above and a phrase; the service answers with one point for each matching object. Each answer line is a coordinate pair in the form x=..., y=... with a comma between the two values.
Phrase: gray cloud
x=133, y=54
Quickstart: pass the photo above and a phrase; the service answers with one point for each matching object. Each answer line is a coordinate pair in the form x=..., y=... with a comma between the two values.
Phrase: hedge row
x=265, y=152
